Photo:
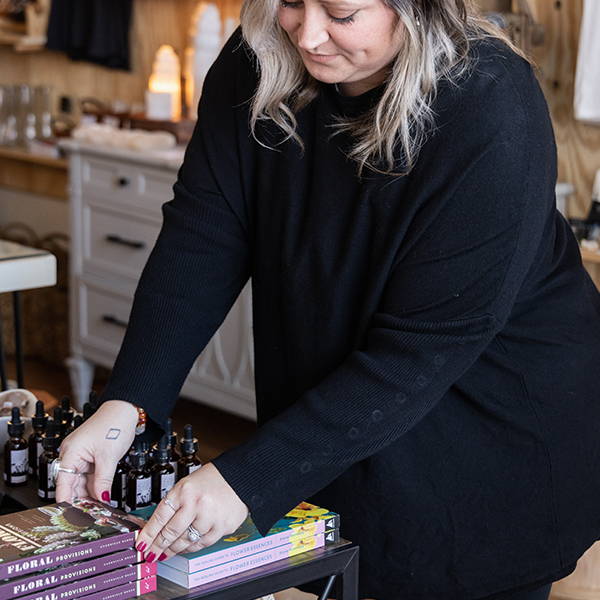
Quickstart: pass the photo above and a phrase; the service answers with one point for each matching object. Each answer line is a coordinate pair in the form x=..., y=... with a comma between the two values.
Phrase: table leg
x=3, y=378
x=18, y=345
x=325, y=594
x=347, y=580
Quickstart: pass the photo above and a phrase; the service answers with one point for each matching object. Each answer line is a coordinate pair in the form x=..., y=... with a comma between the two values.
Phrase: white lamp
x=163, y=97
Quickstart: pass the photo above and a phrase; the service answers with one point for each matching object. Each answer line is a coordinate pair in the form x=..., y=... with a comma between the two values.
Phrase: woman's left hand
x=204, y=500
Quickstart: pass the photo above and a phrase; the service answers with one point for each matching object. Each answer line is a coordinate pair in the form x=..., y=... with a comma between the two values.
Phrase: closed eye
x=340, y=20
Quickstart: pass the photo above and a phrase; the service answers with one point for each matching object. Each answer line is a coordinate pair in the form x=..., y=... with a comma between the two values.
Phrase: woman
x=425, y=335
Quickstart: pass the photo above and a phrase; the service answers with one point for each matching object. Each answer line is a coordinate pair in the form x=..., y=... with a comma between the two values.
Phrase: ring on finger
x=193, y=534
x=169, y=503
x=164, y=539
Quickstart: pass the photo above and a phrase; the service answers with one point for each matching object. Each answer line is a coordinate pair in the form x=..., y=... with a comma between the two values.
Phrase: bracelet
x=142, y=418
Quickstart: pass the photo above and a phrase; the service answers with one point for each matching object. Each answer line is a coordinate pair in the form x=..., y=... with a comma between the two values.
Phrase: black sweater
x=425, y=346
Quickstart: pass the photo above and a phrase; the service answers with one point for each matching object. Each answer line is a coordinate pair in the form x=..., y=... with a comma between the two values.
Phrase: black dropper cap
x=38, y=421
x=171, y=436
x=88, y=411
x=16, y=427
x=161, y=454
x=60, y=421
x=67, y=412
x=189, y=444
x=93, y=400
x=139, y=455
x=51, y=438
x=77, y=421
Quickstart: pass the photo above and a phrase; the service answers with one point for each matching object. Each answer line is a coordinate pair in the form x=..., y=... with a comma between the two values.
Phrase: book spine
x=99, y=583
x=190, y=580
x=124, y=592
x=68, y=555
x=246, y=548
x=50, y=579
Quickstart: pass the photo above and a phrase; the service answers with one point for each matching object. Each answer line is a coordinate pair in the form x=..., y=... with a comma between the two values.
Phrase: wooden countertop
x=30, y=157
x=34, y=173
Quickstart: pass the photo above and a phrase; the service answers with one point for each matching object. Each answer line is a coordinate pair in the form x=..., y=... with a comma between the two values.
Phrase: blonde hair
x=438, y=34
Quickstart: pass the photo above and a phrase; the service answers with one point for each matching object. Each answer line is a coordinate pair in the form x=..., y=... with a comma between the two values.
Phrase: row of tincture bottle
x=23, y=458
x=143, y=477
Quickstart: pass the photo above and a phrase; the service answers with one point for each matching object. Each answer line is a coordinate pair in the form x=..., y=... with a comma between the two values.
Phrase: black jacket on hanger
x=93, y=30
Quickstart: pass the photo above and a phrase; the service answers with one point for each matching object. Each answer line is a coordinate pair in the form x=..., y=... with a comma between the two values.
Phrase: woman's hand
x=96, y=445
x=204, y=500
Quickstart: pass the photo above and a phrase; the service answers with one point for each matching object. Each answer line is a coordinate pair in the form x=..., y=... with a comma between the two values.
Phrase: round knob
x=123, y=181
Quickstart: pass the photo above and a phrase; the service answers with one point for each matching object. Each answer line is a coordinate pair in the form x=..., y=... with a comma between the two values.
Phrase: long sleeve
x=198, y=265
x=450, y=291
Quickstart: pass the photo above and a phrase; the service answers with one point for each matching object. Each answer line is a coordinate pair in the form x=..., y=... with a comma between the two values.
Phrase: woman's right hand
x=96, y=445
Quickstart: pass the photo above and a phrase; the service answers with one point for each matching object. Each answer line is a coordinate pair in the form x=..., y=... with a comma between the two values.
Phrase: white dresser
x=116, y=198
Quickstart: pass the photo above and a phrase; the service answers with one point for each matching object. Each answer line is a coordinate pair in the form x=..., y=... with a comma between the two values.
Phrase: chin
x=325, y=74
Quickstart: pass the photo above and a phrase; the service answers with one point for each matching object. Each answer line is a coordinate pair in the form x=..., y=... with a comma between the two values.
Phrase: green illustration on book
x=55, y=526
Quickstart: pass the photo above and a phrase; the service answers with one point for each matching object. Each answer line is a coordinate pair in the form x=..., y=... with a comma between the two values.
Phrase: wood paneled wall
x=167, y=21
x=155, y=22
x=578, y=143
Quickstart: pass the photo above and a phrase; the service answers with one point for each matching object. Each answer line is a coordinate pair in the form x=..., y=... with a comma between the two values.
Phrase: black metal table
x=338, y=563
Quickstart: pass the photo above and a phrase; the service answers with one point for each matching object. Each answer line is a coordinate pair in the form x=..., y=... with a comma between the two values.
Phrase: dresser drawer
x=103, y=316
x=114, y=243
x=127, y=184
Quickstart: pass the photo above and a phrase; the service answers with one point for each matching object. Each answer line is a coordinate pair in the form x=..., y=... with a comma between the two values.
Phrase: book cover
x=60, y=575
x=120, y=592
x=58, y=534
x=189, y=580
x=99, y=583
x=305, y=519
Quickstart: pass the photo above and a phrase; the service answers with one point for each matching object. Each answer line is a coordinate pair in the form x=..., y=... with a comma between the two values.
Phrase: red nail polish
x=162, y=556
x=141, y=546
x=105, y=496
x=151, y=556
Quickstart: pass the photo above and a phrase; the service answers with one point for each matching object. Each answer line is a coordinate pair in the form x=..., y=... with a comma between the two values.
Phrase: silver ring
x=169, y=504
x=193, y=534
x=55, y=469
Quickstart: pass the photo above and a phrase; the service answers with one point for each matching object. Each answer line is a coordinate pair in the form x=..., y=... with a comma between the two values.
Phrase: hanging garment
x=95, y=31
x=587, y=80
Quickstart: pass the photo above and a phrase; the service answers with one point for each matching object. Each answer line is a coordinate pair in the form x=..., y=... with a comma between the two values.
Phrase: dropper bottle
x=38, y=422
x=16, y=451
x=189, y=462
x=67, y=411
x=51, y=442
x=77, y=421
x=118, y=493
x=139, y=478
x=61, y=423
x=163, y=473
x=172, y=437
x=88, y=411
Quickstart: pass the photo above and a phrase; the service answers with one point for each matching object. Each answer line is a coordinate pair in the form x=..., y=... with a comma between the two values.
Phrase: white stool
x=21, y=268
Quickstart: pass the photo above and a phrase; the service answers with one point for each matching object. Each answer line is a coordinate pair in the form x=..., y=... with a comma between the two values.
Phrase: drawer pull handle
x=115, y=239
x=123, y=181
x=114, y=321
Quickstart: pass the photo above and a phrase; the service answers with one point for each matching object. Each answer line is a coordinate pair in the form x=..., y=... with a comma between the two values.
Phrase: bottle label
x=193, y=468
x=167, y=481
x=19, y=465
x=143, y=491
x=123, y=486
x=174, y=465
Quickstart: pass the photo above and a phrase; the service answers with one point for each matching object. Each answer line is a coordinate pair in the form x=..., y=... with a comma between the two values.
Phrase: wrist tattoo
x=113, y=433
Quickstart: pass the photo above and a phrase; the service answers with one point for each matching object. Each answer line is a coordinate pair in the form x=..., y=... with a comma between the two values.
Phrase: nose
x=312, y=31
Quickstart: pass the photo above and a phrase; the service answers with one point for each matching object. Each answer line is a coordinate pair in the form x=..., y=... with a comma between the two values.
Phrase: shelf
x=30, y=157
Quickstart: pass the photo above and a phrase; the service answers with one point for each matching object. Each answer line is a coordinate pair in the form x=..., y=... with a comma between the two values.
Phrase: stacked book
x=304, y=528
x=84, y=549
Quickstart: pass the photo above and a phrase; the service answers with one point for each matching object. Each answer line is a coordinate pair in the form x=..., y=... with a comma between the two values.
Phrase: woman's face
x=348, y=42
